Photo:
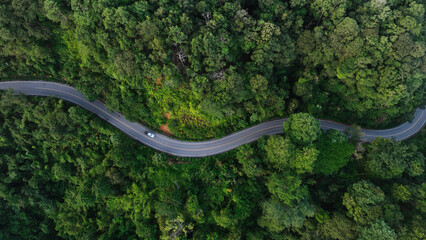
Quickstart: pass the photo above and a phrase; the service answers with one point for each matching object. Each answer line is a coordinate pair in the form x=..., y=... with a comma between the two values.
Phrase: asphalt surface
x=187, y=148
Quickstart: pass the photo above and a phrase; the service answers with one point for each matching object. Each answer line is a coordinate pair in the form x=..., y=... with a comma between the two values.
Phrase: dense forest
x=216, y=66
x=199, y=70
x=66, y=174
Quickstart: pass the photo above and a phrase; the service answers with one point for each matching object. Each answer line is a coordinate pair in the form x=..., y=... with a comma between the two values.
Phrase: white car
x=151, y=135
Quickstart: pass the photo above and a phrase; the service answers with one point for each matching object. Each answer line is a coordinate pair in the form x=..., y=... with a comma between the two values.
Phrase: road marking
x=199, y=149
x=184, y=142
x=74, y=89
x=202, y=149
x=399, y=133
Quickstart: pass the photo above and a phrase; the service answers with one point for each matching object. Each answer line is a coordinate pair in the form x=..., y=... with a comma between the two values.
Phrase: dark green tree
x=389, y=159
x=338, y=227
x=334, y=152
x=377, y=230
x=276, y=216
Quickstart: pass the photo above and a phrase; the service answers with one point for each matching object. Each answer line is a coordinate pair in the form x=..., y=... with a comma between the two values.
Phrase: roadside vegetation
x=215, y=66
x=206, y=69
x=66, y=174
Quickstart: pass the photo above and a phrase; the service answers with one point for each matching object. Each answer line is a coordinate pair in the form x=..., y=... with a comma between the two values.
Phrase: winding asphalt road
x=186, y=148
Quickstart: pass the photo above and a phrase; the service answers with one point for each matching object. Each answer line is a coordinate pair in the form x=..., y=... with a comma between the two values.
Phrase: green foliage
x=287, y=187
x=415, y=229
x=389, y=159
x=279, y=151
x=303, y=88
x=251, y=162
x=334, y=152
x=194, y=209
x=216, y=68
x=401, y=192
x=377, y=230
x=258, y=83
x=276, y=216
x=302, y=128
x=346, y=68
x=366, y=57
x=97, y=183
x=363, y=201
x=175, y=227
x=304, y=159
x=339, y=227
x=213, y=67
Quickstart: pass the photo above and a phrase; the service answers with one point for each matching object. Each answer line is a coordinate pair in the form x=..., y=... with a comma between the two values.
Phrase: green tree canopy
x=279, y=151
x=277, y=216
x=287, y=187
x=302, y=128
x=339, y=227
x=389, y=159
x=363, y=202
x=334, y=152
x=377, y=230
x=304, y=159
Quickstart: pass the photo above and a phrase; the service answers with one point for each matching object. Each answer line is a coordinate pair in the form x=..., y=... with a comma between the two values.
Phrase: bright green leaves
x=304, y=159
x=258, y=83
x=268, y=31
x=135, y=203
x=363, y=201
x=273, y=215
x=401, y=192
x=291, y=156
x=224, y=218
x=279, y=151
x=288, y=159
x=176, y=227
x=386, y=160
x=215, y=68
x=194, y=209
x=332, y=8
x=302, y=128
x=282, y=154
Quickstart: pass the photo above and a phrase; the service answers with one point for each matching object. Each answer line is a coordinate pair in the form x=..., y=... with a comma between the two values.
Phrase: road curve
x=186, y=148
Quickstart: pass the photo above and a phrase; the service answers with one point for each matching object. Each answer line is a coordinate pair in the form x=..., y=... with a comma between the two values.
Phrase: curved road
x=186, y=148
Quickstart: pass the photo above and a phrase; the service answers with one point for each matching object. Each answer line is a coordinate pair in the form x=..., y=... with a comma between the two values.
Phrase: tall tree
x=276, y=216
x=389, y=159
x=363, y=201
x=302, y=128
x=377, y=230
x=334, y=152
